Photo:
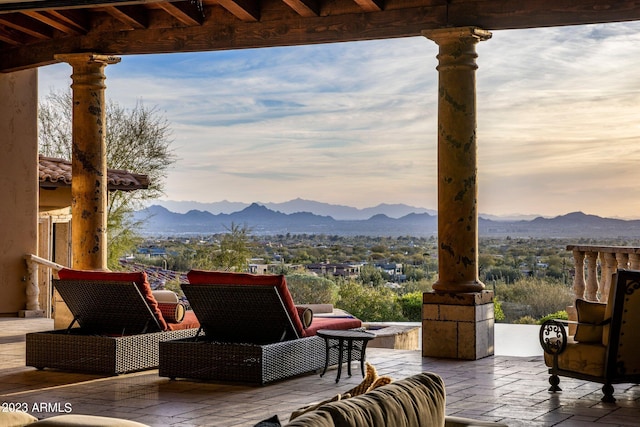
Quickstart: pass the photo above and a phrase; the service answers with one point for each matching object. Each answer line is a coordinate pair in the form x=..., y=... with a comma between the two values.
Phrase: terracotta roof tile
x=53, y=172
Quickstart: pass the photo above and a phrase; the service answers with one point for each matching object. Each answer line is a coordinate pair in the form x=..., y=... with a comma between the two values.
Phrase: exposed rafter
x=371, y=5
x=31, y=31
x=304, y=7
x=53, y=21
x=26, y=25
x=10, y=39
x=185, y=12
x=132, y=16
x=245, y=10
x=75, y=18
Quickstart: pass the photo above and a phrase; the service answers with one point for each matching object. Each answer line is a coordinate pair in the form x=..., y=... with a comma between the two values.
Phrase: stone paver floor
x=509, y=389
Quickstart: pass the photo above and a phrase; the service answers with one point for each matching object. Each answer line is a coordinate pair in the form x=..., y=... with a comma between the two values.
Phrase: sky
x=354, y=124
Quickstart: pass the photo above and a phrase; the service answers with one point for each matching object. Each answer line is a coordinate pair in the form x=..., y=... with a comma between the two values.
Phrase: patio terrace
x=507, y=388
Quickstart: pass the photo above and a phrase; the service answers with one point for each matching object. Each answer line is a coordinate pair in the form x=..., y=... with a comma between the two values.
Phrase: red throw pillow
x=306, y=316
x=139, y=278
x=173, y=312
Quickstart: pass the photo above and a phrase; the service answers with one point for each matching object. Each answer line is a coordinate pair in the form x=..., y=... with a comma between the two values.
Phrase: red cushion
x=200, y=277
x=331, y=323
x=139, y=278
x=190, y=321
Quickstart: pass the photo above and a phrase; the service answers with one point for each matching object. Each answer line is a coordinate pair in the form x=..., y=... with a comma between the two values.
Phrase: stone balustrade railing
x=587, y=283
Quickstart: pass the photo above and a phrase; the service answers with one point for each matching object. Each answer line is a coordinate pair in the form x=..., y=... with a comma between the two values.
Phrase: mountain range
x=339, y=212
x=158, y=220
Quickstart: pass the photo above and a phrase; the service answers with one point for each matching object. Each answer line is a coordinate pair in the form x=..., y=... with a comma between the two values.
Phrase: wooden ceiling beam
x=245, y=10
x=539, y=13
x=129, y=15
x=48, y=19
x=8, y=37
x=75, y=18
x=371, y=5
x=234, y=34
x=67, y=4
x=289, y=23
x=26, y=25
x=306, y=8
x=185, y=12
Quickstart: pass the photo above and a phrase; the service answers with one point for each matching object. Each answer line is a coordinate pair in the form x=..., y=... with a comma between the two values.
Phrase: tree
x=138, y=140
x=234, y=253
x=369, y=275
x=368, y=303
x=309, y=289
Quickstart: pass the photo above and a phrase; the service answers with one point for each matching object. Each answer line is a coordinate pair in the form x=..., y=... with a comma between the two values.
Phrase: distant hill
x=158, y=220
x=338, y=212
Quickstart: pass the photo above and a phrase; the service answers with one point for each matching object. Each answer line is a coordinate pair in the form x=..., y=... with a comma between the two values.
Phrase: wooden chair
x=606, y=345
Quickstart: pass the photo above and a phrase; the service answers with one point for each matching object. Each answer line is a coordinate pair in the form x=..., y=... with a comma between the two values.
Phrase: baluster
x=32, y=291
x=591, y=290
x=609, y=265
x=578, y=279
x=623, y=260
x=634, y=261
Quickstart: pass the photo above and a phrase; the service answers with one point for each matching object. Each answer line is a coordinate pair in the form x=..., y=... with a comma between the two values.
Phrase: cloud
x=355, y=123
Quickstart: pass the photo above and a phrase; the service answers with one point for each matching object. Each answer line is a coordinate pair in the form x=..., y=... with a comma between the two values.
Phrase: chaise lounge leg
x=607, y=390
x=554, y=380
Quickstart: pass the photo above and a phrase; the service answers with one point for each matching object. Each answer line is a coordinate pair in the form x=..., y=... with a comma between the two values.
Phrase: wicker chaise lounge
x=252, y=331
x=120, y=325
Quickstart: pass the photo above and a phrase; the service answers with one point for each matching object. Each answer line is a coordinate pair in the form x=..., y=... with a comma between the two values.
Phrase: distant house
x=336, y=270
x=152, y=252
x=392, y=269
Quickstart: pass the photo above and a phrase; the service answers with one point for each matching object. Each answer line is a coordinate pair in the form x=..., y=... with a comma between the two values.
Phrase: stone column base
x=31, y=313
x=458, y=326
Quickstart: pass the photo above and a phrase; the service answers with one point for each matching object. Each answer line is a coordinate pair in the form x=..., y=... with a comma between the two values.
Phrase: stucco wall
x=18, y=184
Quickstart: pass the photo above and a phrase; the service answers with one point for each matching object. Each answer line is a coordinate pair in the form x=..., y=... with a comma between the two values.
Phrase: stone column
x=457, y=162
x=89, y=160
x=458, y=316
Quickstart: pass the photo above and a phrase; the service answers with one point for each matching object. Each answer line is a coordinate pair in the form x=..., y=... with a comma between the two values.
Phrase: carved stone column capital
x=457, y=46
x=88, y=68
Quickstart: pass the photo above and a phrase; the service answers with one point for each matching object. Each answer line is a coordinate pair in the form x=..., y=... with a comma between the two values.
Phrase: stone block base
x=458, y=326
x=31, y=313
x=398, y=337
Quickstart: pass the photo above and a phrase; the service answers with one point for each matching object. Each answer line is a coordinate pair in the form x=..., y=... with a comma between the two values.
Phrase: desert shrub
x=369, y=304
x=562, y=314
x=526, y=320
x=497, y=310
x=533, y=297
x=502, y=274
x=411, y=305
x=309, y=289
x=410, y=286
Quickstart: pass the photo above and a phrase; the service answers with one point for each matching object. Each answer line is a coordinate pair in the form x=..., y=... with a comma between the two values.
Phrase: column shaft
x=457, y=162
x=89, y=160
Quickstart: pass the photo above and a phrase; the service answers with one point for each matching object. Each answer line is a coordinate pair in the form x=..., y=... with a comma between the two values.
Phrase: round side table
x=355, y=340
